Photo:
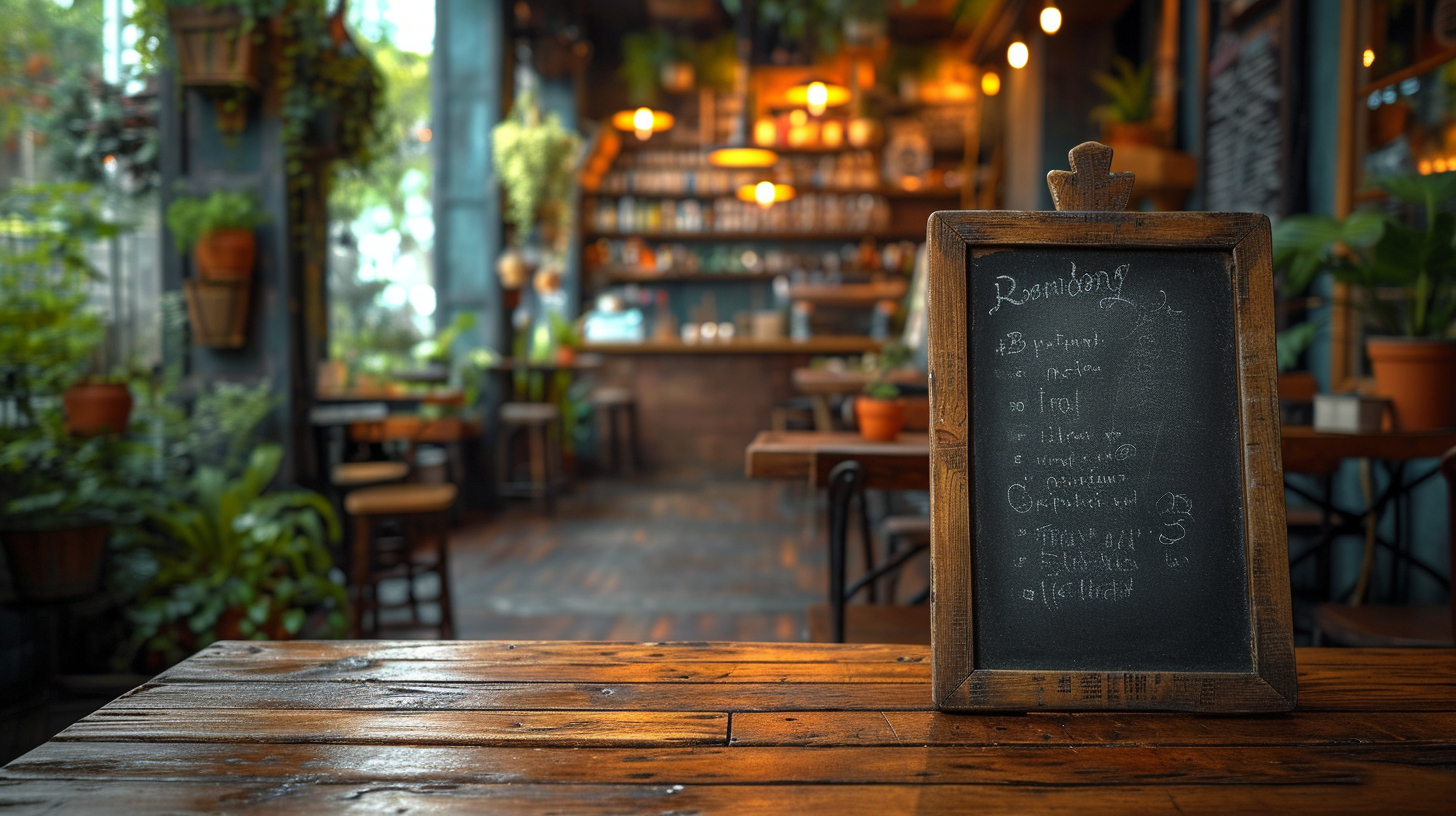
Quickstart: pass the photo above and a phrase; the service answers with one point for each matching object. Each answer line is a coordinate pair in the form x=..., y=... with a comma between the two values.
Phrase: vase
x=1419, y=378
x=93, y=409
x=1129, y=134
x=879, y=420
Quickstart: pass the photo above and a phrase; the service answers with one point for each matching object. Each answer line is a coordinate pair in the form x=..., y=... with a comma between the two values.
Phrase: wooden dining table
x=690, y=728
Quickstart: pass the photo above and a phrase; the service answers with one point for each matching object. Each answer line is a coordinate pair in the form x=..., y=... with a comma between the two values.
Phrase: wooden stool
x=422, y=514
x=541, y=423
x=364, y=474
x=618, y=407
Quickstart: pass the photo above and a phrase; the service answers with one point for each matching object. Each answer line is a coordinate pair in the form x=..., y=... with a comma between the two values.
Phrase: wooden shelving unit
x=850, y=294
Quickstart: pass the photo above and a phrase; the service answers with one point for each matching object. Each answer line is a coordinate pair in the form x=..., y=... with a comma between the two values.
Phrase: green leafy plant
x=1405, y=277
x=232, y=553
x=893, y=355
x=1129, y=90
x=190, y=218
x=535, y=158
x=644, y=54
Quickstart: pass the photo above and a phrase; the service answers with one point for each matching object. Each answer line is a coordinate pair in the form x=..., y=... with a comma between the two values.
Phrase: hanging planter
x=214, y=49
x=218, y=313
x=47, y=566
x=226, y=255
x=95, y=408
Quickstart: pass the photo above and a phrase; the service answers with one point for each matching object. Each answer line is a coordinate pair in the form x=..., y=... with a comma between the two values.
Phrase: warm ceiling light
x=1368, y=58
x=739, y=156
x=817, y=95
x=765, y=193
x=643, y=121
x=1017, y=54
x=1051, y=19
x=990, y=83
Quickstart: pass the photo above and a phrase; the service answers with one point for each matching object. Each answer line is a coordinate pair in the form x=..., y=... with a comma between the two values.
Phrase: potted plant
x=1405, y=283
x=535, y=158
x=235, y=559
x=219, y=229
x=878, y=408
x=215, y=39
x=1127, y=114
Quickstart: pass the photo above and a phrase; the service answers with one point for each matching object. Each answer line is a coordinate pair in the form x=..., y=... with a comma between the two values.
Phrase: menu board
x=1106, y=481
x=1107, y=507
x=1246, y=151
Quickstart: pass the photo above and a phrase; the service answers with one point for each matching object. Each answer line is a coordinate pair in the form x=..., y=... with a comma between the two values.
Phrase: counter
x=700, y=404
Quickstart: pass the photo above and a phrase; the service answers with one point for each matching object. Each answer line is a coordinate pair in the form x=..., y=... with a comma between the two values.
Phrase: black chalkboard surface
x=1107, y=506
x=1106, y=492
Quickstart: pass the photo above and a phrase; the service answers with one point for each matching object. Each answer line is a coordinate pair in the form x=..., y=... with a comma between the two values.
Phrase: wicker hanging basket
x=218, y=313
x=213, y=50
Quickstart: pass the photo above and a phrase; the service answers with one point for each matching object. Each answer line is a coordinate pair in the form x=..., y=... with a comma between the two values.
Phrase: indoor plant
x=1127, y=114
x=878, y=408
x=535, y=158
x=1404, y=279
x=236, y=559
x=219, y=228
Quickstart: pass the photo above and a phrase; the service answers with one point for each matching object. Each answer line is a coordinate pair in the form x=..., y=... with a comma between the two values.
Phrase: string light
x=990, y=83
x=1051, y=19
x=1017, y=54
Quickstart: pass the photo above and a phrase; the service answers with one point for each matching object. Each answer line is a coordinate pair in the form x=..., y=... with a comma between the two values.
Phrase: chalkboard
x=1107, y=505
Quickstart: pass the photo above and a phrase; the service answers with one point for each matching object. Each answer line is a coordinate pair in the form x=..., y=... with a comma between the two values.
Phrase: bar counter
x=700, y=404
x=589, y=728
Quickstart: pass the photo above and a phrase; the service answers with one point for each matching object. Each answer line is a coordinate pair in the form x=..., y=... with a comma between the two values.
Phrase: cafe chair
x=1376, y=626
x=842, y=620
x=400, y=532
x=348, y=476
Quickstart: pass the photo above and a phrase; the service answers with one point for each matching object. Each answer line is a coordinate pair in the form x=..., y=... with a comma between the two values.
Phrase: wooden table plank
x=819, y=728
x=411, y=696
x=238, y=669
x=900, y=465
x=557, y=652
x=952, y=765
x=575, y=728
x=1380, y=796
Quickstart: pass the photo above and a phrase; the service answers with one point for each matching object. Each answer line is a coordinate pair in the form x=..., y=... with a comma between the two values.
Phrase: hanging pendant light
x=817, y=95
x=1050, y=18
x=643, y=121
x=766, y=193
x=738, y=152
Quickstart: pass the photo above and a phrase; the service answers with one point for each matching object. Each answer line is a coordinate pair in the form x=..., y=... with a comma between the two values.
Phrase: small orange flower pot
x=879, y=420
x=1417, y=376
x=226, y=255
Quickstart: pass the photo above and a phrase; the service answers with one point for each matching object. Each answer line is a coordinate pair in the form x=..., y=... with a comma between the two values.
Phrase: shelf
x=937, y=194
x=648, y=276
x=850, y=294
x=891, y=235
x=814, y=345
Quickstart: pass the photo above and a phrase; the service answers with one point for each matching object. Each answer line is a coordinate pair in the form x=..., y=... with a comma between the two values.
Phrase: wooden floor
x=642, y=560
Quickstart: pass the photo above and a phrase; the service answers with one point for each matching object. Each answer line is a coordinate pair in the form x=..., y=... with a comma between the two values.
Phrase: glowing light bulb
x=818, y=98
x=1368, y=58
x=763, y=193
x=1017, y=54
x=642, y=123
x=1051, y=19
x=990, y=83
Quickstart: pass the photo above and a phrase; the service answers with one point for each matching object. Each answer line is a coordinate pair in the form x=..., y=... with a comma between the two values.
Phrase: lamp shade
x=766, y=193
x=742, y=156
x=643, y=121
x=817, y=95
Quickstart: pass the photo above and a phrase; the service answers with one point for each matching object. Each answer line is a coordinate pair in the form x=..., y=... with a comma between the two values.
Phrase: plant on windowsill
x=878, y=408
x=1404, y=279
x=1126, y=116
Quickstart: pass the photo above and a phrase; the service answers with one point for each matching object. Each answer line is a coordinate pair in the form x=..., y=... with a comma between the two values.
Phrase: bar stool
x=618, y=407
x=420, y=545
x=541, y=422
x=365, y=474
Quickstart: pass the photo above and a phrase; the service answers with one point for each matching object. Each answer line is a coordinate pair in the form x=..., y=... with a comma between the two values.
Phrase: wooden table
x=820, y=384
x=900, y=465
x=529, y=728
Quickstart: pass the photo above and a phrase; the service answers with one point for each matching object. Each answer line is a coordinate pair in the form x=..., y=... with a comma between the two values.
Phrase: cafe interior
x=606, y=321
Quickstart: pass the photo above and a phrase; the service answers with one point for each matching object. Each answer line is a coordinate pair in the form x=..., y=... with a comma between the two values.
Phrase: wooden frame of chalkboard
x=1215, y=637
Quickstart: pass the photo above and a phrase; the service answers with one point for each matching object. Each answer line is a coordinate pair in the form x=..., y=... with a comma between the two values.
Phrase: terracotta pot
x=1129, y=133
x=1417, y=375
x=93, y=409
x=55, y=565
x=565, y=355
x=226, y=255
x=879, y=420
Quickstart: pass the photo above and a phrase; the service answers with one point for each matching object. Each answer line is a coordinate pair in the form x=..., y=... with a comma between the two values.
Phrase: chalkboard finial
x=1090, y=185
